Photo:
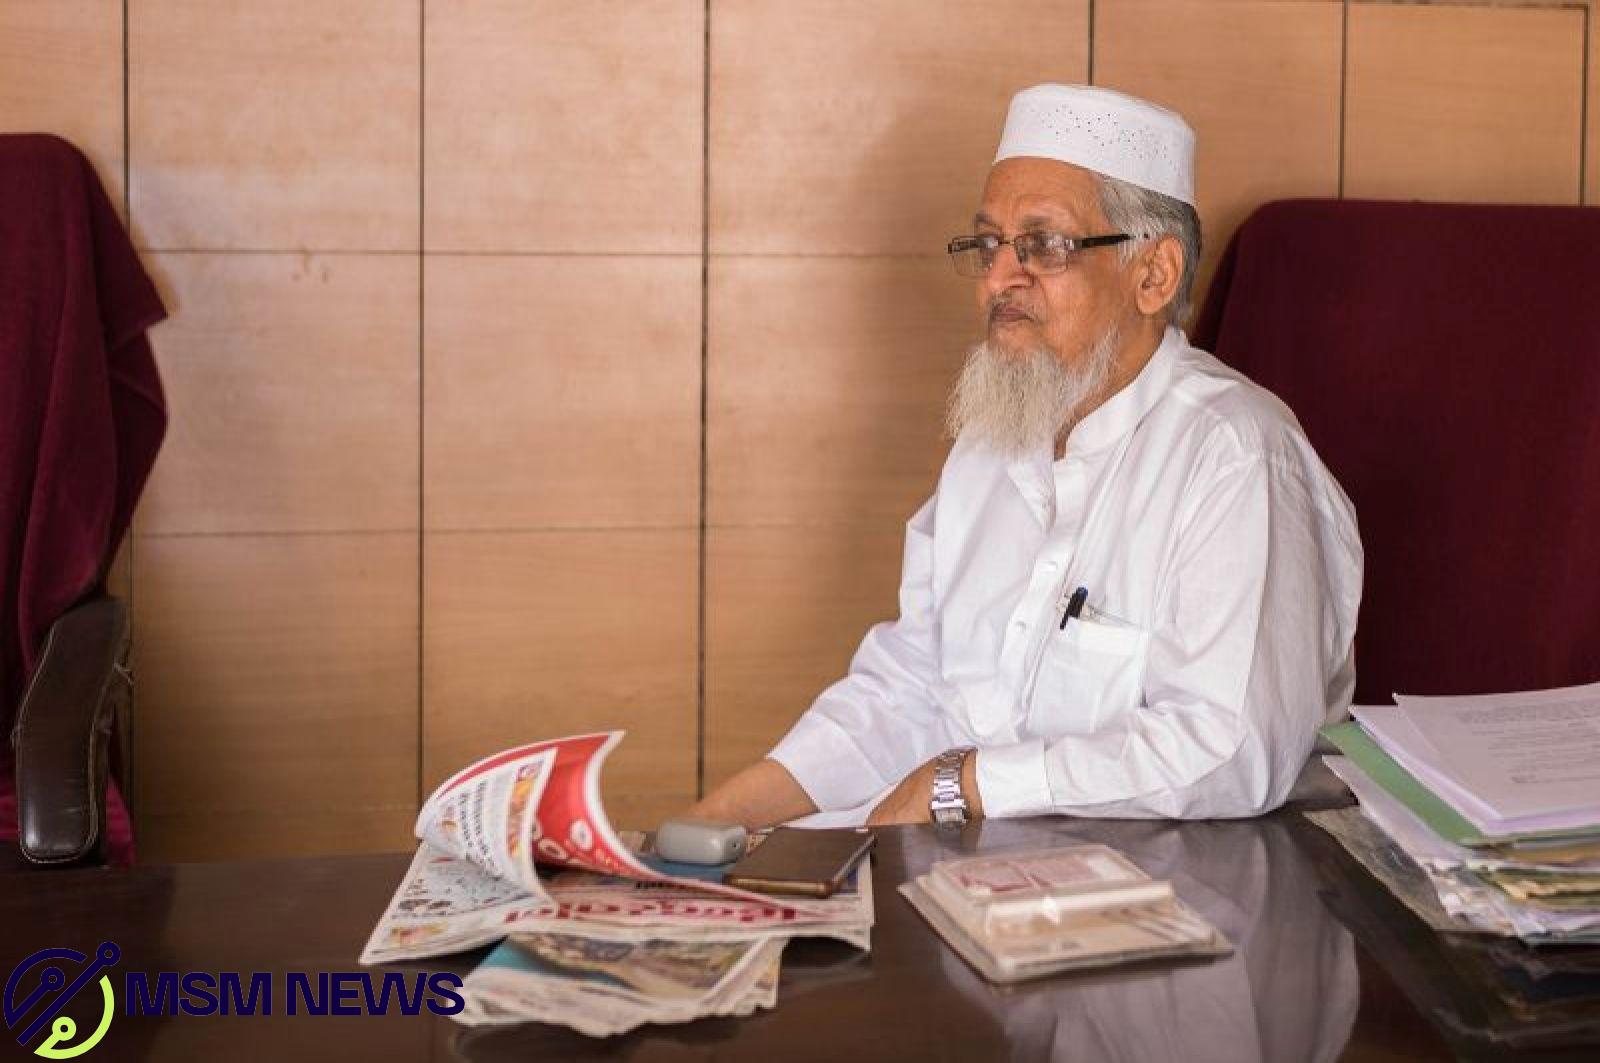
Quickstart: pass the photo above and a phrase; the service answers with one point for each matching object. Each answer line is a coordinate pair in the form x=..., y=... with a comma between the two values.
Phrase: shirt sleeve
x=1253, y=632
x=868, y=730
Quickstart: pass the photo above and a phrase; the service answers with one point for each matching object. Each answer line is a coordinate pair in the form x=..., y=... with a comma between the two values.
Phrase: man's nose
x=1006, y=271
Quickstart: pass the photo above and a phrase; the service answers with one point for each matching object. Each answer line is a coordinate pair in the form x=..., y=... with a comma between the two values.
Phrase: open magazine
x=485, y=832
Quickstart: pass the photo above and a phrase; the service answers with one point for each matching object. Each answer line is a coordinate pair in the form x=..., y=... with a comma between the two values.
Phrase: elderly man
x=1134, y=591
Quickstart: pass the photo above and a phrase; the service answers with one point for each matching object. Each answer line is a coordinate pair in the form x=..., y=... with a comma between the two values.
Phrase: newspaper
x=484, y=831
x=643, y=906
x=602, y=984
x=598, y=933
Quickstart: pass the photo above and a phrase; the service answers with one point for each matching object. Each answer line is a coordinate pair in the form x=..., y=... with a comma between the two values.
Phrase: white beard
x=1015, y=403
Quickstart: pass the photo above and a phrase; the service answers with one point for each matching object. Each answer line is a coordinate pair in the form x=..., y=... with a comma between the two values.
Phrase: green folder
x=1429, y=807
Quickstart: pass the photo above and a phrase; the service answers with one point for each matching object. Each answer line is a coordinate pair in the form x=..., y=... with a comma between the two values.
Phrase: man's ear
x=1161, y=272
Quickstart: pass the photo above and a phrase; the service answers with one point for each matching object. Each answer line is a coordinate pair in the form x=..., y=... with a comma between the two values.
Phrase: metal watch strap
x=948, y=806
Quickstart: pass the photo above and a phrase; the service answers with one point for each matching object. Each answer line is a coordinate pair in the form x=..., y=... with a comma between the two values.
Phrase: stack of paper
x=1496, y=798
x=1026, y=914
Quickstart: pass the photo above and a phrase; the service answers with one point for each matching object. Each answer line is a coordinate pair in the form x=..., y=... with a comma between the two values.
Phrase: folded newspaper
x=602, y=984
x=597, y=933
x=1027, y=914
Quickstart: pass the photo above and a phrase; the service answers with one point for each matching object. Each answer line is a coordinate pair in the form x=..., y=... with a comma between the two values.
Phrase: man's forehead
x=1027, y=193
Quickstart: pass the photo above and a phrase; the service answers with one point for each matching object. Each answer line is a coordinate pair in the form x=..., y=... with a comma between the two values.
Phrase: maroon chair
x=81, y=419
x=1445, y=361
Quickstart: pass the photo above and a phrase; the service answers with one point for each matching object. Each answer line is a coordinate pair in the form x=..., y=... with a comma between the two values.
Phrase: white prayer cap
x=1108, y=132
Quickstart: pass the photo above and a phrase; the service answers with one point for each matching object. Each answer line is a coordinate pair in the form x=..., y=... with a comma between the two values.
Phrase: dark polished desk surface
x=1299, y=987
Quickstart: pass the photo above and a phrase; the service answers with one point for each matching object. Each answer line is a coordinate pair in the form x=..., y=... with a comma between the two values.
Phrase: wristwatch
x=948, y=808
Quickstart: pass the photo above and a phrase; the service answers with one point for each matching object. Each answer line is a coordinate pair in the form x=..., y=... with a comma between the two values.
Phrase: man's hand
x=908, y=802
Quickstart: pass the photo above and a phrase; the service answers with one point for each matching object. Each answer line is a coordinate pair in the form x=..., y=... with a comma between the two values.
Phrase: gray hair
x=1146, y=214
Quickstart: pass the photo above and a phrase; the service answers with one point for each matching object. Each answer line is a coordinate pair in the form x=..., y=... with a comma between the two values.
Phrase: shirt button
x=1050, y=566
x=1020, y=625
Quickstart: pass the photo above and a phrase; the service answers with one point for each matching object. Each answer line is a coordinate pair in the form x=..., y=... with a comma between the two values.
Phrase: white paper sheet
x=1398, y=736
x=1531, y=759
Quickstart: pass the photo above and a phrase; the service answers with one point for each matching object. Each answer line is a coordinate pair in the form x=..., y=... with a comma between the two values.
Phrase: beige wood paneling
x=291, y=125
x=1463, y=103
x=1283, y=58
x=562, y=392
x=276, y=693
x=532, y=635
x=554, y=126
x=228, y=834
x=785, y=610
x=827, y=383
x=840, y=127
x=292, y=394
x=61, y=73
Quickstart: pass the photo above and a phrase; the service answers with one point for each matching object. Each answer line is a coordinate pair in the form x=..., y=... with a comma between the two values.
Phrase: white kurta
x=1223, y=570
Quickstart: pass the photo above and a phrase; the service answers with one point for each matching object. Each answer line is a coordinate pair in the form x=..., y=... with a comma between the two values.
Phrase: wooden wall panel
x=562, y=392
x=847, y=128
x=1284, y=58
x=277, y=693
x=785, y=610
x=290, y=125
x=292, y=394
x=1464, y=103
x=532, y=635
x=554, y=126
x=61, y=73
x=827, y=383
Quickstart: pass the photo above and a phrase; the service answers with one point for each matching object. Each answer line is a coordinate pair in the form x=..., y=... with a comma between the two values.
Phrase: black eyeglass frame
x=1027, y=246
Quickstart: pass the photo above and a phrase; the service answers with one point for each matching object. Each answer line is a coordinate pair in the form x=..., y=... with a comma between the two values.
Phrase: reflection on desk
x=1290, y=991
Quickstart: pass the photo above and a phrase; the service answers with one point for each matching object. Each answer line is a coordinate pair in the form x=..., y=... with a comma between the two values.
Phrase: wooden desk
x=1299, y=987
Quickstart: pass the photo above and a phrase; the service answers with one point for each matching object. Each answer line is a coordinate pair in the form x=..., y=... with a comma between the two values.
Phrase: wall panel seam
x=1344, y=81
x=587, y=252
x=422, y=381
x=303, y=533
x=1584, y=90
x=1088, y=73
x=705, y=333
x=561, y=529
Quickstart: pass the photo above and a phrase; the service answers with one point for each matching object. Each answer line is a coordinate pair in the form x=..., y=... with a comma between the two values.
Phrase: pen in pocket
x=1074, y=606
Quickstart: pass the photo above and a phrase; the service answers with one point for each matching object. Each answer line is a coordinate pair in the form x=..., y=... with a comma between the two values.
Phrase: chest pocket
x=1088, y=675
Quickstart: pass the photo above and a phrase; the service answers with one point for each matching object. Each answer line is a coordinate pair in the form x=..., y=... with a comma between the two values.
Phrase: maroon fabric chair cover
x=81, y=409
x=1445, y=362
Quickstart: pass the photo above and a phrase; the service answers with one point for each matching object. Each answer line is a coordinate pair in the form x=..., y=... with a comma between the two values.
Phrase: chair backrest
x=1445, y=362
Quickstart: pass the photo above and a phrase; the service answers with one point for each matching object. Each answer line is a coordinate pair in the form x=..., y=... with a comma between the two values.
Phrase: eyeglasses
x=1039, y=253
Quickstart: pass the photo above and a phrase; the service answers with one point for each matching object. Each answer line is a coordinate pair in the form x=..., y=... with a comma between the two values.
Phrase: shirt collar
x=1113, y=419
x=1122, y=412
